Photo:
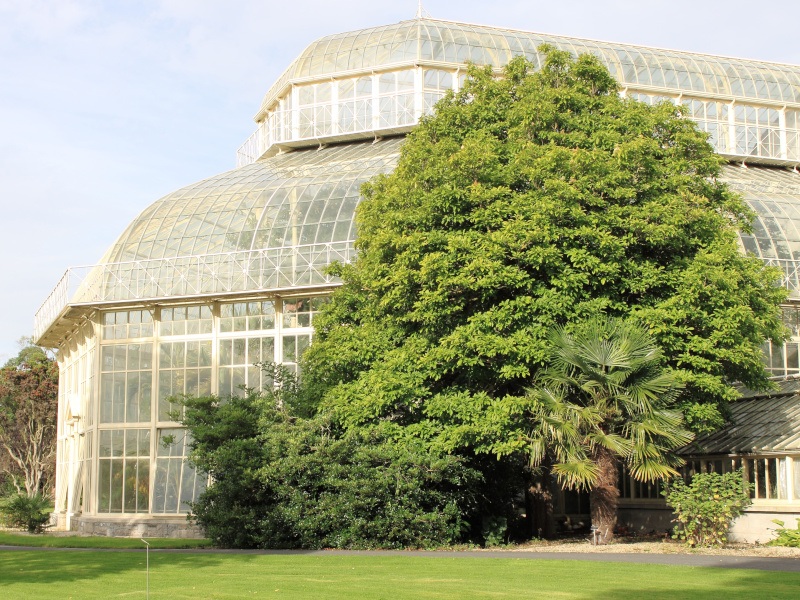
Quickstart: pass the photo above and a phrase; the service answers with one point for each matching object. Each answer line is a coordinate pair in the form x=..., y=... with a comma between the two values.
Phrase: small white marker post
x=147, y=567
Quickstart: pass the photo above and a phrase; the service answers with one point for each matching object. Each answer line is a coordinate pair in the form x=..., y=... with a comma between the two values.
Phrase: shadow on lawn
x=46, y=566
x=746, y=584
x=412, y=578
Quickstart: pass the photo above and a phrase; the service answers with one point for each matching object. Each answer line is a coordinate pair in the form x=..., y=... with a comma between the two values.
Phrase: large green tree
x=537, y=199
x=603, y=401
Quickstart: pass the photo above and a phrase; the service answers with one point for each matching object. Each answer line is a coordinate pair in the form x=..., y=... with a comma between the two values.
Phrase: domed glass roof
x=276, y=223
x=298, y=198
x=444, y=42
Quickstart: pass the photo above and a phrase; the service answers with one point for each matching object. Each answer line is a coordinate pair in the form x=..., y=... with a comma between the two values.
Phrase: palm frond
x=651, y=470
x=576, y=474
x=605, y=386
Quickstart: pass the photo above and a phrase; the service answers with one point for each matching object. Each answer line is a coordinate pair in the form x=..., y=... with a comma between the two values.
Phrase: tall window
x=176, y=483
x=298, y=316
x=315, y=110
x=396, y=103
x=355, y=104
x=124, y=478
x=126, y=382
x=436, y=83
x=183, y=368
x=247, y=336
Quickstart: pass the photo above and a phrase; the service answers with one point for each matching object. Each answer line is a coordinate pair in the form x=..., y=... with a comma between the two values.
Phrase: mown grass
x=74, y=541
x=86, y=574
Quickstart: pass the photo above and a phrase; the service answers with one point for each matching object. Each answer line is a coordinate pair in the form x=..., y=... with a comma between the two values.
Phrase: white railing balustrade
x=250, y=151
x=223, y=273
x=790, y=277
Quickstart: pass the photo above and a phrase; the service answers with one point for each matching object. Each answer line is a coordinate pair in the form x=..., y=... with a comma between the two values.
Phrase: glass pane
x=104, y=486
x=761, y=479
x=143, y=486
x=796, y=463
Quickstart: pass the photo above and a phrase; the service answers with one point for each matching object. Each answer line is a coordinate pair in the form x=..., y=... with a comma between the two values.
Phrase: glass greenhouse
x=230, y=271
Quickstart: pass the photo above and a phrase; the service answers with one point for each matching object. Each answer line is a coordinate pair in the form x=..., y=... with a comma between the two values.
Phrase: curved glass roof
x=309, y=197
x=432, y=40
x=774, y=195
x=297, y=198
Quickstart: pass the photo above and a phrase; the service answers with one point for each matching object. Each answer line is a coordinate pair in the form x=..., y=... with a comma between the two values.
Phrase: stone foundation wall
x=646, y=519
x=139, y=527
x=754, y=526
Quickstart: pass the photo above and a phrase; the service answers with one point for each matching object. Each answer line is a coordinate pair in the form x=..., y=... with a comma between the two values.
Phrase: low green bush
x=494, y=531
x=706, y=508
x=26, y=512
x=285, y=481
x=786, y=536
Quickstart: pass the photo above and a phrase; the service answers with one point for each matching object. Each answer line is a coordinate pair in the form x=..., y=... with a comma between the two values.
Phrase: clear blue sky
x=105, y=106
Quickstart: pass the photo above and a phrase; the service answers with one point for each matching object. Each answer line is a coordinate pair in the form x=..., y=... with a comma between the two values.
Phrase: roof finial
x=421, y=12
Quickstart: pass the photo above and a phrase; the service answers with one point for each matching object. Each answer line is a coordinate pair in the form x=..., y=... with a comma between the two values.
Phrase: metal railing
x=229, y=272
x=790, y=274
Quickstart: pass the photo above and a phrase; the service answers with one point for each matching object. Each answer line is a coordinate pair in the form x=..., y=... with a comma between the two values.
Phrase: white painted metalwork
x=264, y=269
x=790, y=274
x=303, y=106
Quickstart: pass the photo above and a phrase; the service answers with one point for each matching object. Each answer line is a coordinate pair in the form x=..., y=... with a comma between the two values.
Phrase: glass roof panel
x=444, y=41
x=774, y=195
x=278, y=201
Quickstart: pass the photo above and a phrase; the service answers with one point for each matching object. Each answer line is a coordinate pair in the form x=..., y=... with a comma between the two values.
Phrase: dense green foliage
x=706, y=507
x=27, y=512
x=602, y=401
x=785, y=536
x=282, y=481
x=535, y=200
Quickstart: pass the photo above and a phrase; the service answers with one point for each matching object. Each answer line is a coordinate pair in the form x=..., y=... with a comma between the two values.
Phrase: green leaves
x=534, y=200
x=605, y=387
x=282, y=480
x=706, y=507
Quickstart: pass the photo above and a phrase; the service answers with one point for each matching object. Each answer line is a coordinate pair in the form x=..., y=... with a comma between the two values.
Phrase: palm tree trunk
x=604, y=495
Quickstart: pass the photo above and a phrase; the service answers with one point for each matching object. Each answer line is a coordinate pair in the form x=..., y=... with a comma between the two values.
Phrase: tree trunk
x=603, y=497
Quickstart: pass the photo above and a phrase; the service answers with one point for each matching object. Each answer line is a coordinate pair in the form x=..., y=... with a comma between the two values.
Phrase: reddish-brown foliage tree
x=28, y=415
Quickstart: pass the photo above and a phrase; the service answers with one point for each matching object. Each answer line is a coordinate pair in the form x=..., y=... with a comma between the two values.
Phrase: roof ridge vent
x=421, y=12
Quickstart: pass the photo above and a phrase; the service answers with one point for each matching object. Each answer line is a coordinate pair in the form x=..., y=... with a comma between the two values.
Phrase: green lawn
x=75, y=541
x=86, y=574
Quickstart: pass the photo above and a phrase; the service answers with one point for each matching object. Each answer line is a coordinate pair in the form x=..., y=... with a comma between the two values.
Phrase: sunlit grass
x=73, y=541
x=86, y=574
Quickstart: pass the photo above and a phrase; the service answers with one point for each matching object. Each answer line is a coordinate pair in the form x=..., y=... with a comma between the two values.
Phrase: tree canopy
x=538, y=199
x=28, y=416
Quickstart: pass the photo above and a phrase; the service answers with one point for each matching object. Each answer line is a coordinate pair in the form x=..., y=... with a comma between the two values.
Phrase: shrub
x=786, y=537
x=284, y=481
x=27, y=512
x=494, y=531
x=706, y=507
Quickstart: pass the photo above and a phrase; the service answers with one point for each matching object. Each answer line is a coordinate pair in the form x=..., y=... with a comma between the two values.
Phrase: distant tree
x=29, y=353
x=28, y=416
x=601, y=403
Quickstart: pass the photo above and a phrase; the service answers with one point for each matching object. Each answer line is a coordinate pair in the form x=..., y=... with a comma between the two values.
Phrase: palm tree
x=602, y=401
